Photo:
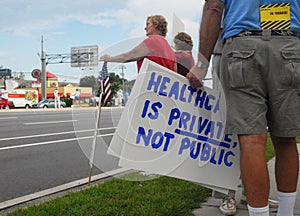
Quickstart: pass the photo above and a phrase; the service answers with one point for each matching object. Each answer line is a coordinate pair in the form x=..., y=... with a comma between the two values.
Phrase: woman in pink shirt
x=155, y=47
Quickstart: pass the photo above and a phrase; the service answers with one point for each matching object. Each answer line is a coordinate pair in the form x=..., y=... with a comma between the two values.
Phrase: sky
x=115, y=26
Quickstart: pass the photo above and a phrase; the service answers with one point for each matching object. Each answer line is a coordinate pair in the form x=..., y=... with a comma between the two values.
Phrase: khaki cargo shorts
x=261, y=81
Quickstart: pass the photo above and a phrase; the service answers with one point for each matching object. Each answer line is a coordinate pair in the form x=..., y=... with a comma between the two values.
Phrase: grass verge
x=160, y=196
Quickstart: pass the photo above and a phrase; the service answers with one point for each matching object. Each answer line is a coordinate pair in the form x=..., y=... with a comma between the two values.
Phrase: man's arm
x=209, y=32
x=210, y=27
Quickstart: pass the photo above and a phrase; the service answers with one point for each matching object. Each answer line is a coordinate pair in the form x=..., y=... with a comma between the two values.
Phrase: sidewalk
x=211, y=207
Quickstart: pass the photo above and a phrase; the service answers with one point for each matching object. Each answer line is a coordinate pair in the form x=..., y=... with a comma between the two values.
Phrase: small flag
x=105, y=84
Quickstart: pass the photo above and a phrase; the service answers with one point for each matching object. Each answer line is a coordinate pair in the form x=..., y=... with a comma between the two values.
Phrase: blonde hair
x=160, y=22
x=183, y=41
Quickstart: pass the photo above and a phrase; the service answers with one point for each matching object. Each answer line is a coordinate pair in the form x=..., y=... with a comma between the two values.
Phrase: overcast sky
x=112, y=25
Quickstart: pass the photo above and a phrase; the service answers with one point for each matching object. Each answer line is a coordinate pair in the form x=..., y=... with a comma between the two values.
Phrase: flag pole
x=103, y=76
x=95, y=139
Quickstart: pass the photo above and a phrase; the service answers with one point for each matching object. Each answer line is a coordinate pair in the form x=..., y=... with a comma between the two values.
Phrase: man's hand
x=196, y=76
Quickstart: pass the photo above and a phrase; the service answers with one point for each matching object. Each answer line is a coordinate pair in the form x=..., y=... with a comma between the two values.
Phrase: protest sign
x=171, y=129
x=10, y=85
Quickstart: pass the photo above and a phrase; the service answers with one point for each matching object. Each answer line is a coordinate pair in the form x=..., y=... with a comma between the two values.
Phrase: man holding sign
x=260, y=78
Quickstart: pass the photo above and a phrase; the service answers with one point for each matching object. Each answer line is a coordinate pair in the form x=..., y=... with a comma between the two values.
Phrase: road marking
x=9, y=118
x=51, y=142
x=54, y=134
x=26, y=198
x=49, y=122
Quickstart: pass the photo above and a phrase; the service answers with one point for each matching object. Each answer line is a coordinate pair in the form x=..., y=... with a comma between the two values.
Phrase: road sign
x=4, y=72
x=84, y=56
x=36, y=73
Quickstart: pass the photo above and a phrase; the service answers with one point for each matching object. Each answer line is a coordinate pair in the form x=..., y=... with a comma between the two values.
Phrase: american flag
x=105, y=84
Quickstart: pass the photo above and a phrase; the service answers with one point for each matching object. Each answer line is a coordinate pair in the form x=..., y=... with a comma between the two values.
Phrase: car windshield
x=43, y=101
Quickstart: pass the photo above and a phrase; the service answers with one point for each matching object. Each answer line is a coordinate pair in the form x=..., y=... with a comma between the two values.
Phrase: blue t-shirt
x=242, y=15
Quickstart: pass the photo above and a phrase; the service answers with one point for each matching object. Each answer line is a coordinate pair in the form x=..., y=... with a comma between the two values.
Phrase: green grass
x=160, y=196
x=269, y=149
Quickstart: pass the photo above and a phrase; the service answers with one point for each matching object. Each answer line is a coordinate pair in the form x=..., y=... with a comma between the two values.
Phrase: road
x=41, y=149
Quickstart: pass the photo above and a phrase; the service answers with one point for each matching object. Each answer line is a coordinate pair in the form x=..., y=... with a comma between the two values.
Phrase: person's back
x=161, y=52
x=56, y=93
x=56, y=98
x=253, y=14
x=261, y=44
x=183, y=46
x=259, y=73
x=185, y=62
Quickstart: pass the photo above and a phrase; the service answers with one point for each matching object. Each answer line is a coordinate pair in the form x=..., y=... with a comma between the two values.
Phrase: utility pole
x=123, y=79
x=43, y=62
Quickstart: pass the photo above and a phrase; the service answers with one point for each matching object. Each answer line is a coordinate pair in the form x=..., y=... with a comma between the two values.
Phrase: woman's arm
x=139, y=52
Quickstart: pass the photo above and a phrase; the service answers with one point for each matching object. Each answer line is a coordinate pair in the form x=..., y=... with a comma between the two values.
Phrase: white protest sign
x=171, y=129
x=10, y=85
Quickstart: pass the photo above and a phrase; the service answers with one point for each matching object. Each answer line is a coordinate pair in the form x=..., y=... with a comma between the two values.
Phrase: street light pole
x=43, y=62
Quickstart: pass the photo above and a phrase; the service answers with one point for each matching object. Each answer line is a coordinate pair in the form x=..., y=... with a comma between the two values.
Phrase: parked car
x=48, y=103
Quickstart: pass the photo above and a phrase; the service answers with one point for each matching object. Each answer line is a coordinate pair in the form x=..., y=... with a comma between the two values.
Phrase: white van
x=23, y=98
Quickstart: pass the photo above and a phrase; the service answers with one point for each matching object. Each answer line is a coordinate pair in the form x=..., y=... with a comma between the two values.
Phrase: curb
x=81, y=182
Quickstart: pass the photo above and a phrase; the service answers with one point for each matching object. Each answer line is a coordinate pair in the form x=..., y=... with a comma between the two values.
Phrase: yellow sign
x=275, y=16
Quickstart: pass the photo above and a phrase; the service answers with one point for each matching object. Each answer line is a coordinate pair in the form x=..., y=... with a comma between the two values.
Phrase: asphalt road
x=41, y=149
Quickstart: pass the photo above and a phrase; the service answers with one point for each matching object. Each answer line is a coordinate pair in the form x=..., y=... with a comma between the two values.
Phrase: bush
x=69, y=101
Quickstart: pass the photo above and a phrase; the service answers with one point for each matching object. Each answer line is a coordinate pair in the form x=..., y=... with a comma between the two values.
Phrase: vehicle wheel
x=26, y=106
x=61, y=106
x=45, y=107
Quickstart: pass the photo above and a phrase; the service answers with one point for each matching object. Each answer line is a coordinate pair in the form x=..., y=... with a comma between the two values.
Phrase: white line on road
x=49, y=122
x=54, y=134
x=8, y=118
x=51, y=142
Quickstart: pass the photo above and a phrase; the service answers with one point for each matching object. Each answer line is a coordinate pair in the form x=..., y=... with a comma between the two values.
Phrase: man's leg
x=58, y=102
x=254, y=169
x=286, y=172
x=6, y=104
x=286, y=164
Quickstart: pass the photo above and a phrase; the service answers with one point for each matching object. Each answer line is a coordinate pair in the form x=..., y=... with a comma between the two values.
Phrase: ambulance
x=23, y=98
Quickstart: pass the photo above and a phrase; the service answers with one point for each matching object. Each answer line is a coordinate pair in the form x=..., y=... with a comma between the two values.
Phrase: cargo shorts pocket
x=239, y=66
x=290, y=73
